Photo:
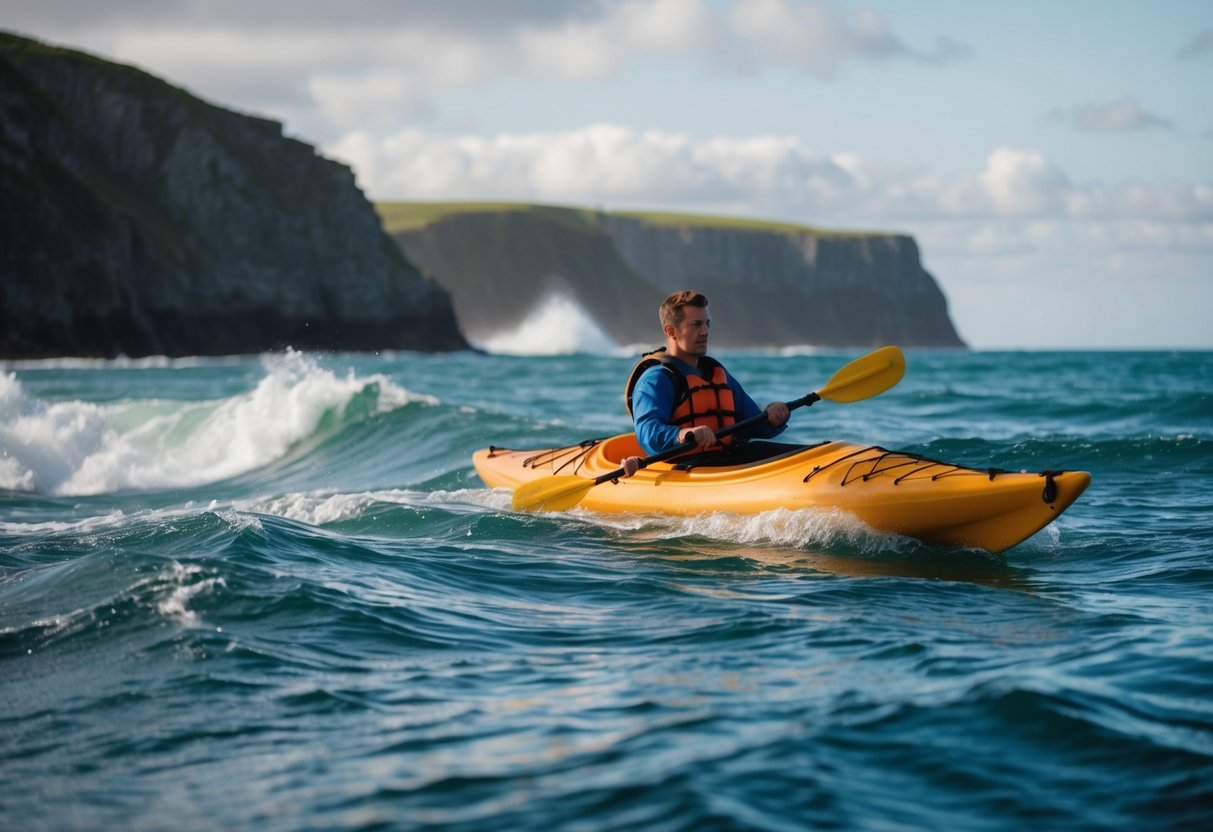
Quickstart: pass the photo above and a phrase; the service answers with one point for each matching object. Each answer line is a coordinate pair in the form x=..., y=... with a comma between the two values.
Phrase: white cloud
x=1022, y=183
x=483, y=16
x=377, y=99
x=323, y=79
x=384, y=64
x=814, y=36
x=600, y=47
x=605, y=163
x=820, y=37
x=1123, y=114
x=767, y=175
x=381, y=63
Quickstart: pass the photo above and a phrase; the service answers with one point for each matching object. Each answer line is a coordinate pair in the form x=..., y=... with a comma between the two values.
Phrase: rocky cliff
x=139, y=219
x=770, y=285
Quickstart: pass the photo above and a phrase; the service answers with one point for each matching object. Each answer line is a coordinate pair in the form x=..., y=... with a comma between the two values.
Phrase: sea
x=270, y=592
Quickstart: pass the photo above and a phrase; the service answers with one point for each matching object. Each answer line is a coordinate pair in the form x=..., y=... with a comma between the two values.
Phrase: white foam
x=318, y=509
x=321, y=508
x=182, y=590
x=79, y=447
x=796, y=529
x=557, y=326
x=82, y=526
x=797, y=350
x=783, y=527
x=123, y=362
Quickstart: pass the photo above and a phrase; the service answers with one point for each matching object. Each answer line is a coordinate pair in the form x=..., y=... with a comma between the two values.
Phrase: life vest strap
x=698, y=400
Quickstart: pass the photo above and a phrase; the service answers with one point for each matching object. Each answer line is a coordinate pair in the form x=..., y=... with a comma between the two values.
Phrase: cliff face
x=772, y=286
x=138, y=219
x=791, y=287
x=499, y=266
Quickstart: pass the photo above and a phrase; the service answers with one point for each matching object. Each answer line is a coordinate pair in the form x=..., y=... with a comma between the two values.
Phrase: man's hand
x=777, y=413
x=703, y=436
x=631, y=465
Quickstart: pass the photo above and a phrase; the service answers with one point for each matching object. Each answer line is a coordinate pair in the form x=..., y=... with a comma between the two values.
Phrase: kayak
x=937, y=502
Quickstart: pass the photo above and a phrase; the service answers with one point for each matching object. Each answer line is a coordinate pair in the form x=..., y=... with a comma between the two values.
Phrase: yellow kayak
x=936, y=502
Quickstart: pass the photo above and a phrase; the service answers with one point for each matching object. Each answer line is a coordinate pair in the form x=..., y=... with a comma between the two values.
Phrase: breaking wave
x=557, y=326
x=79, y=447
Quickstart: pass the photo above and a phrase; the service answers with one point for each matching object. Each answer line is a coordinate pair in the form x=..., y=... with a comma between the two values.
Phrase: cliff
x=770, y=285
x=138, y=219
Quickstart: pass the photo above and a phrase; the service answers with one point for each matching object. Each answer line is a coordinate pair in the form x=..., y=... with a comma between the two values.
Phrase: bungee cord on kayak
x=919, y=464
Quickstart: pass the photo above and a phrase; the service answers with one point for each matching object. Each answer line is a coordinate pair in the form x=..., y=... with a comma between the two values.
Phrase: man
x=682, y=395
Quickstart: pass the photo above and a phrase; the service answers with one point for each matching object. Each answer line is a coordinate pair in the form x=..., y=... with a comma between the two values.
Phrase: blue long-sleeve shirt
x=653, y=404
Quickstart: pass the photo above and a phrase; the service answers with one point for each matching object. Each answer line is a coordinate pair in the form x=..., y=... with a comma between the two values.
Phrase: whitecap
x=322, y=508
x=557, y=326
x=80, y=447
x=796, y=529
x=182, y=590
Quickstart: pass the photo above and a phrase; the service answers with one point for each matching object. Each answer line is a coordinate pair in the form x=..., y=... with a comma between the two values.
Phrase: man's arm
x=652, y=406
x=777, y=412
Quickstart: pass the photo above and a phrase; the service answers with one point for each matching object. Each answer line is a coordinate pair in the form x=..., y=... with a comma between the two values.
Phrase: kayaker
x=681, y=394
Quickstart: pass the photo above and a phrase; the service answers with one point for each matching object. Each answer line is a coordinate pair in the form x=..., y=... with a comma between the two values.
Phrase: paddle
x=860, y=379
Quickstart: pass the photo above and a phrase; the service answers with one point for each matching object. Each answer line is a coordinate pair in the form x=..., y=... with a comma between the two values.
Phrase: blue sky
x=1053, y=160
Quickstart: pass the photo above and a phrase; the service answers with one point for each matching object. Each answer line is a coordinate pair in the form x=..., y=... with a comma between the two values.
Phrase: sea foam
x=557, y=326
x=80, y=447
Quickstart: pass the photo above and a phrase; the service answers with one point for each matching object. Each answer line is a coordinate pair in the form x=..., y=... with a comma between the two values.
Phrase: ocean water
x=271, y=593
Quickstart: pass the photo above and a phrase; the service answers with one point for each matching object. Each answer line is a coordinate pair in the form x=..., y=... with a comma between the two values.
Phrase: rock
x=141, y=220
x=769, y=285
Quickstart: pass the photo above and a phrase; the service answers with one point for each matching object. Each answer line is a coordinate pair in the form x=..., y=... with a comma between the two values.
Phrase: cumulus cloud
x=482, y=16
x=772, y=175
x=1123, y=114
x=608, y=164
x=1055, y=237
x=598, y=47
x=820, y=38
x=378, y=99
x=814, y=36
x=375, y=62
x=1022, y=183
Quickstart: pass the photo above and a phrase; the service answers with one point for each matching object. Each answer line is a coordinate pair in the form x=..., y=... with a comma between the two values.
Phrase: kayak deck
x=937, y=502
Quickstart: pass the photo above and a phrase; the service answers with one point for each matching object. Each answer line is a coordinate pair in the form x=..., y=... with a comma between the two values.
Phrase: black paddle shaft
x=736, y=427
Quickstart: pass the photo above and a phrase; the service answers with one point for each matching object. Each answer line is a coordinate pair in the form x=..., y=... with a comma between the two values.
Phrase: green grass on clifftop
x=740, y=224
x=411, y=216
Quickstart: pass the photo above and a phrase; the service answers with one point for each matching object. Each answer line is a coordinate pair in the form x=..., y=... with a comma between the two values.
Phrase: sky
x=1054, y=161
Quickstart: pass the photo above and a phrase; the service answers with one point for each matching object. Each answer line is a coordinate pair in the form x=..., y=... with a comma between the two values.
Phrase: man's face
x=691, y=334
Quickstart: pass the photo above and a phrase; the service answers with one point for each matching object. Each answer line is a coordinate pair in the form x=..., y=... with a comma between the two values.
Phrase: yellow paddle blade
x=551, y=493
x=865, y=377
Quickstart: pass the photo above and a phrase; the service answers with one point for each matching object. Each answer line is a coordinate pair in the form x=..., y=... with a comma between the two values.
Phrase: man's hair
x=671, y=307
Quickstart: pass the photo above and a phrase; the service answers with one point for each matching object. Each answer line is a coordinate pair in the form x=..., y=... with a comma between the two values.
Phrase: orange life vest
x=698, y=400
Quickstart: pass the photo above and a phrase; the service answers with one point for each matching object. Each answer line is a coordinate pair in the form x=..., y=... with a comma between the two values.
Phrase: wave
x=369, y=508
x=557, y=326
x=148, y=362
x=82, y=448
